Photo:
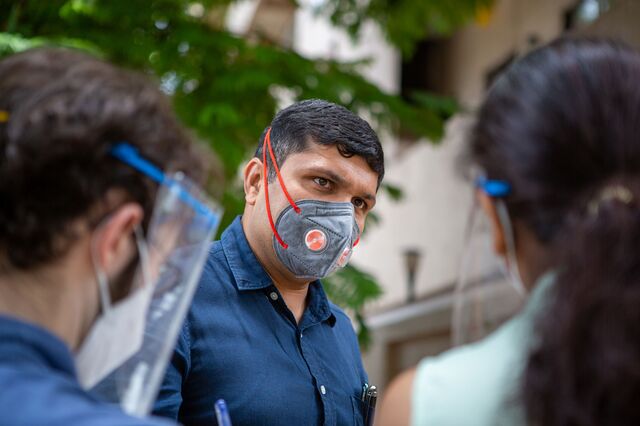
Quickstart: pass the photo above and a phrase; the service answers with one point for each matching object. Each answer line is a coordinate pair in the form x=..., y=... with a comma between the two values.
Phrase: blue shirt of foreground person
x=258, y=335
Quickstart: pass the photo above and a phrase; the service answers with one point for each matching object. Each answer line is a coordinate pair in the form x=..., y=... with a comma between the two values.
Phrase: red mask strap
x=277, y=169
x=357, y=241
x=266, y=193
x=265, y=172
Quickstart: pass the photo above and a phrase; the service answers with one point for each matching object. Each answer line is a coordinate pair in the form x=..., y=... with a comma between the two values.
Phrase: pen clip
x=365, y=388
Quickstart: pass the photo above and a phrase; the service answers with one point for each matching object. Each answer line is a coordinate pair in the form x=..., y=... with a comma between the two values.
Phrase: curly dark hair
x=66, y=109
x=562, y=127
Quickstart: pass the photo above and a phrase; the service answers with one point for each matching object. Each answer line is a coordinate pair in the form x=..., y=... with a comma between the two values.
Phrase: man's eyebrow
x=339, y=180
x=330, y=174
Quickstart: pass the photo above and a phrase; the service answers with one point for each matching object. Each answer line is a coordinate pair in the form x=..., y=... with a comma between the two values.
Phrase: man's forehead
x=314, y=148
x=317, y=154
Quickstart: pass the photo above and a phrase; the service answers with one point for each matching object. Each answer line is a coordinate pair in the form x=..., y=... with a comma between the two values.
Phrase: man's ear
x=488, y=205
x=113, y=245
x=252, y=180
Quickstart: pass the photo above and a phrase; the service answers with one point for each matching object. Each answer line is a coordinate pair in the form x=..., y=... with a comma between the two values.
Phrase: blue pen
x=222, y=413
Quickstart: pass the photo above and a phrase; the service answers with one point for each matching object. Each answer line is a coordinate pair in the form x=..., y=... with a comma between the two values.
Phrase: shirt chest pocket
x=343, y=410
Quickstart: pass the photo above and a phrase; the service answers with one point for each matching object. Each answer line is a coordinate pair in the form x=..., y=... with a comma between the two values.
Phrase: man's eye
x=359, y=203
x=321, y=181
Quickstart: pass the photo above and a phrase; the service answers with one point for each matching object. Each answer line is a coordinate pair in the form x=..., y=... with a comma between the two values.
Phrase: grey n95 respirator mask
x=311, y=238
x=320, y=237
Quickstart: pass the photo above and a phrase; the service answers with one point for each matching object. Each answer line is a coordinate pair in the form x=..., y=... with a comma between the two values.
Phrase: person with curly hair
x=72, y=219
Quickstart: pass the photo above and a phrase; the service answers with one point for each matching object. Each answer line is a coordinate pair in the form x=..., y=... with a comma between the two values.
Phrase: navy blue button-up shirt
x=38, y=384
x=240, y=342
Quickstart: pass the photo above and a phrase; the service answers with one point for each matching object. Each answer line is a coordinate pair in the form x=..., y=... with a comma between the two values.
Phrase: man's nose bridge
x=336, y=209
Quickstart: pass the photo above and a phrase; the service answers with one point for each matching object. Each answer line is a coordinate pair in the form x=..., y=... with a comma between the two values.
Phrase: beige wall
x=431, y=217
x=475, y=49
x=433, y=214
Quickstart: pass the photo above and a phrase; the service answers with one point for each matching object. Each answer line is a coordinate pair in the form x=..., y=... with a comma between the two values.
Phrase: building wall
x=513, y=25
x=438, y=198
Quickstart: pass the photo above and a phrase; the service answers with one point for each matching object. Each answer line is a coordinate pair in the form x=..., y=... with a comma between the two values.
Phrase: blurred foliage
x=394, y=192
x=225, y=87
x=353, y=288
x=406, y=22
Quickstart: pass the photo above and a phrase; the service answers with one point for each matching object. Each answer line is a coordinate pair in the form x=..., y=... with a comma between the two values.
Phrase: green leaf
x=395, y=192
x=405, y=22
x=351, y=288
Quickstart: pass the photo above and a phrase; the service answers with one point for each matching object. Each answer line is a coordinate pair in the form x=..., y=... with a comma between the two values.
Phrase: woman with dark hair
x=557, y=140
x=84, y=147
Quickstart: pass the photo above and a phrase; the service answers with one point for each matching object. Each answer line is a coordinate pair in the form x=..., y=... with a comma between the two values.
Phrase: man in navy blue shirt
x=261, y=333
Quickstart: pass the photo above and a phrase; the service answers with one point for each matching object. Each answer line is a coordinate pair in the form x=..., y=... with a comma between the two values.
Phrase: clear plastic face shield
x=489, y=288
x=182, y=225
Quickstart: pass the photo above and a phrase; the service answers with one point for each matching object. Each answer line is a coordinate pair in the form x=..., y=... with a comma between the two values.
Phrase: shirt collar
x=318, y=307
x=247, y=271
x=250, y=275
x=32, y=340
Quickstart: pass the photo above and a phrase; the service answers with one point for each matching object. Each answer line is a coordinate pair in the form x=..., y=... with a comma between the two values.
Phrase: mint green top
x=475, y=384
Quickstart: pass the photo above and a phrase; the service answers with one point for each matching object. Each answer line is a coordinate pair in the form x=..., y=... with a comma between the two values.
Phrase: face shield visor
x=489, y=288
x=182, y=225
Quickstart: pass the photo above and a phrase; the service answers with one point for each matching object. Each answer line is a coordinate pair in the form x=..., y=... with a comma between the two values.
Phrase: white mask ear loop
x=143, y=251
x=101, y=278
x=512, y=267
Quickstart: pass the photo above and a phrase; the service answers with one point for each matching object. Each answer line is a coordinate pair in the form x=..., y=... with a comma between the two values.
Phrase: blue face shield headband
x=494, y=188
x=499, y=189
x=130, y=156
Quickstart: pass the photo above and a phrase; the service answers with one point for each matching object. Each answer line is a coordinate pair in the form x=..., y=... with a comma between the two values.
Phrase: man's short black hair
x=324, y=123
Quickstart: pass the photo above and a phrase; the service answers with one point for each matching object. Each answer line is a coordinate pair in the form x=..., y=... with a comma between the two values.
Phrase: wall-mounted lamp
x=412, y=259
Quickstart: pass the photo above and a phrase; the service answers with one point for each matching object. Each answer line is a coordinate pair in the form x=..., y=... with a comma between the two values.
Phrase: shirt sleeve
x=170, y=397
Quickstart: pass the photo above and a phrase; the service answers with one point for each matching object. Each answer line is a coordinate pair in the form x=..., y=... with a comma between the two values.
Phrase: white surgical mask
x=118, y=332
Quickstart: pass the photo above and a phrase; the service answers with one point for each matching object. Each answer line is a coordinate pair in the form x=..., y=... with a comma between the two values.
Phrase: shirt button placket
x=327, y=403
